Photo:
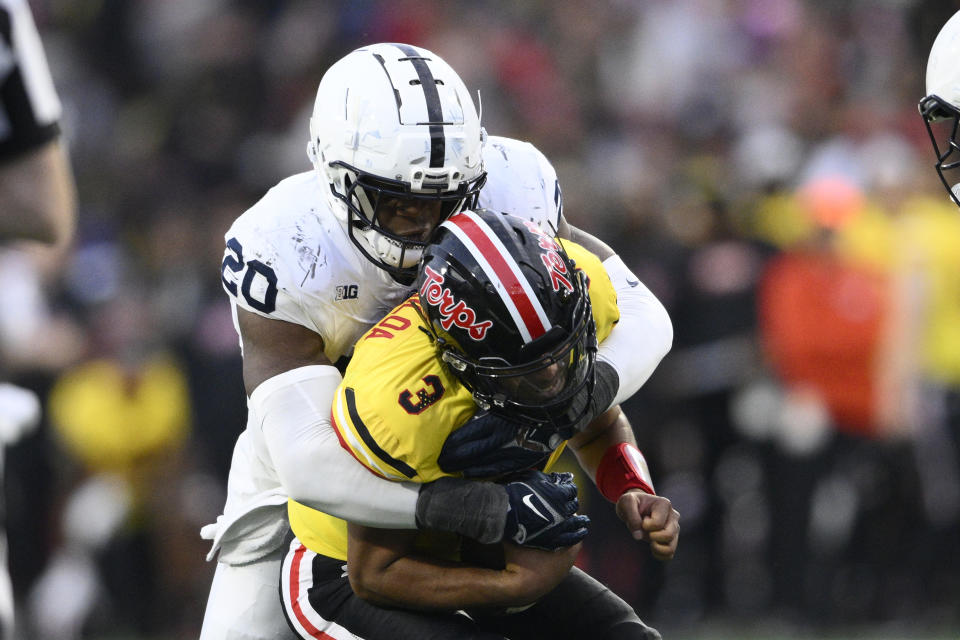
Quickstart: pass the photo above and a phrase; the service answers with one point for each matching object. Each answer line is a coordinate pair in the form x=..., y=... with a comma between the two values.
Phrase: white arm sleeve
x=641, y=338
x=293, y=412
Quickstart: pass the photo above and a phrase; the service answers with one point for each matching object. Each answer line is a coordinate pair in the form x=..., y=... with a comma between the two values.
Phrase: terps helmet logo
x=452, y=313
x=559, y=274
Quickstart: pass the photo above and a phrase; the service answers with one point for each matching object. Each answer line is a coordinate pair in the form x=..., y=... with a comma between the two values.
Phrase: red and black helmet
x=511, y=315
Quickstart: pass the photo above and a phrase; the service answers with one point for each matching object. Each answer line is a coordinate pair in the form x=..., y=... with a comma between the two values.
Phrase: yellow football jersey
x=398, y=402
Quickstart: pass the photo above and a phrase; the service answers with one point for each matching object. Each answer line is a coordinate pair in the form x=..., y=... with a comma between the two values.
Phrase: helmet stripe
x=396, y=94
x=503, y=271
x=438, y=141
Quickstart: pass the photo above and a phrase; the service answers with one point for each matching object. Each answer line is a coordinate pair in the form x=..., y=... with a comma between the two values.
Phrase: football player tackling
x=397, y=147
x=502, y=319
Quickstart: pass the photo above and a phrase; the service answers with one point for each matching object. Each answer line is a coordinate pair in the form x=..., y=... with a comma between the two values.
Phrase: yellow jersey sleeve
x=603, y=297
x=398, y=402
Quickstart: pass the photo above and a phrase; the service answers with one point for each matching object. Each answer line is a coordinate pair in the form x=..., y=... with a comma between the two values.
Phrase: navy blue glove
x=543, y=511
x=489, y=445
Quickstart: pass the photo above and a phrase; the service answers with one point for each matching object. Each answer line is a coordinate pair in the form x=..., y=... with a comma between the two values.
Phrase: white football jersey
x=289, y=258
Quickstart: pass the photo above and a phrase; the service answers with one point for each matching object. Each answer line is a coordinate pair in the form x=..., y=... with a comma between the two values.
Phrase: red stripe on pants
x=295, y=597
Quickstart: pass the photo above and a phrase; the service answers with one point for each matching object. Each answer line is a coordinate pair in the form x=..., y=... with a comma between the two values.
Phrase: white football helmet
x=396, y=137
x=522, y=183
x=941, y=106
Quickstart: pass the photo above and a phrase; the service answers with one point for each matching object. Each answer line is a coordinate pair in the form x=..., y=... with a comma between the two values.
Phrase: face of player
x=538, y=387
x=410, y=218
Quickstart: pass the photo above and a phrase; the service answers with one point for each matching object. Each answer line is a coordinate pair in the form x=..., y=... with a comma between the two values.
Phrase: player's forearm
x=384, y=570
x=608, y=451
x=427, y=585
x=293, y=411
x=607, y=430
x=328, y=479
x=38, y=198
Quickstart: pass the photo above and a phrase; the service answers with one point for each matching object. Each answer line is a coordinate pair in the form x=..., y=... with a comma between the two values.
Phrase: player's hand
x=651, y=518
x=543, y=511
x=489, y=445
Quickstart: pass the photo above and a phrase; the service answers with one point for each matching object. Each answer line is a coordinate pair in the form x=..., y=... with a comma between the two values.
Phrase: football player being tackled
x=506, y=321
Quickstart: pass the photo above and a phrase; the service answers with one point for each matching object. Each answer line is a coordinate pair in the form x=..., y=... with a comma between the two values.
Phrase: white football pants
x=244, y=602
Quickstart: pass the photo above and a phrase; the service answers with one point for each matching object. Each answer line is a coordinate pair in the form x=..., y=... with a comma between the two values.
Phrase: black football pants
x=580, y=607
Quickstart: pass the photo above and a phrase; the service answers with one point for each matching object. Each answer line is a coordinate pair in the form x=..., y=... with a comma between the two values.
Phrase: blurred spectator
x=121, y=417
x=918, y=396
x=714, y=355
x=821, y=316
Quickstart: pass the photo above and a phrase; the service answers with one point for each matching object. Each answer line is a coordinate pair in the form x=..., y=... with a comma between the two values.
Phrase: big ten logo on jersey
x=390, y=325
x=452, y=312
x=426, y=395
x=559, y=273
x=348, y=291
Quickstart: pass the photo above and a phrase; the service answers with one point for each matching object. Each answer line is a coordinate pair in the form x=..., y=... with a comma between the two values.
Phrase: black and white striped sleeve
x=29, y=107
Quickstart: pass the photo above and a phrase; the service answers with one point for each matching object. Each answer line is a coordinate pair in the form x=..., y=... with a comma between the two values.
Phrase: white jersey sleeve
x=521, y=182
x=289, y=258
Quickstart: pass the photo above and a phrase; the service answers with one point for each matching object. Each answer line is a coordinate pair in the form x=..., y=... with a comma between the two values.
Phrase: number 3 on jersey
x=259, y=284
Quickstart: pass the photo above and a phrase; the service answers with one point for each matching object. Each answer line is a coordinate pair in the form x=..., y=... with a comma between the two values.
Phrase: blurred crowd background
x=760, y=164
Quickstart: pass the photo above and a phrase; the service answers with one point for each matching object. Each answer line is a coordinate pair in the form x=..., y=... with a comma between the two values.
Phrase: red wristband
x=623, y=467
